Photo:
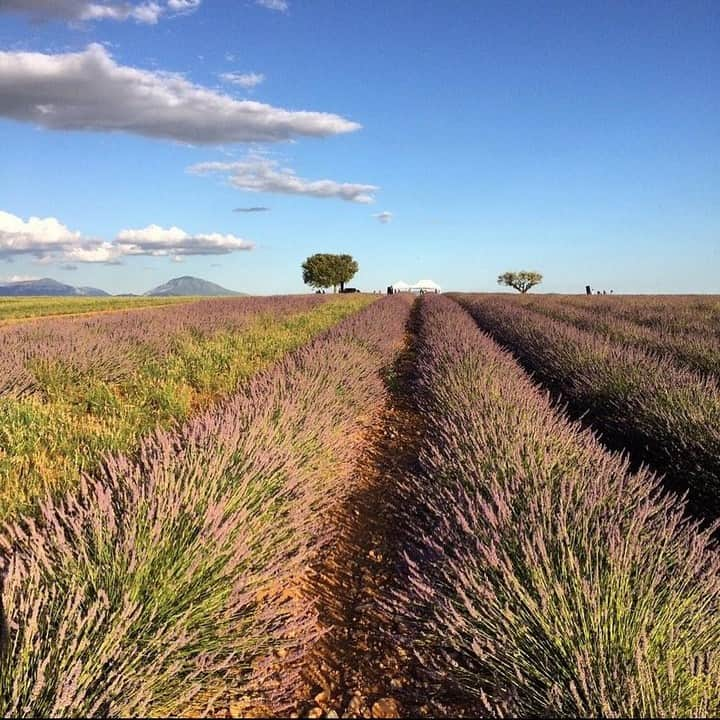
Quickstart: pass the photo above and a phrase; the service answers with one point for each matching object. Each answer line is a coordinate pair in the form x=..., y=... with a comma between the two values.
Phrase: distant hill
x=47, y=286
x=95, y=292
x=188, y=285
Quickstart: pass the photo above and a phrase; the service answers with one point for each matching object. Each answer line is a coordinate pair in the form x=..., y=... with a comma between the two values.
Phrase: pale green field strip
x=25, y=308
x=46, y=440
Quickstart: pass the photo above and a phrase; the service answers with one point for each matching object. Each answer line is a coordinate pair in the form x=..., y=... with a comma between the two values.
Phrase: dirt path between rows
x=360, y=669
x=356, y=671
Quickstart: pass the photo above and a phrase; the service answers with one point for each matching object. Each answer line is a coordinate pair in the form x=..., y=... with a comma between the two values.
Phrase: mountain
x=91, y=291
x=177, y=286
x=46, y=286
x=188, y=285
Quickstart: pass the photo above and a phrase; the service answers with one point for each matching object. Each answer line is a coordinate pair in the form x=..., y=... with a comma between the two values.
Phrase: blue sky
x=578, y=139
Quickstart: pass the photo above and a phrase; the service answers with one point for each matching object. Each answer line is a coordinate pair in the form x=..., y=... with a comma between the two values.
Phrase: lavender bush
x=545, y=578
x=686, y=334
x=671, y=314
x=180, y=571
x=110, y=345
x=666, y=416
x=76, y=414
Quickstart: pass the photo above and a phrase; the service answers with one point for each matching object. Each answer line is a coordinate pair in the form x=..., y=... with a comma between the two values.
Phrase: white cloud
x=246, y=80
x=36, y=236
x=260, y=174
x=279, y=5
x=183, y=5
x=384, y=217
x=158, y=241
x=88, y=90
x=48, y=240
x=20, y=278
x=148, y=11
x=103, y=252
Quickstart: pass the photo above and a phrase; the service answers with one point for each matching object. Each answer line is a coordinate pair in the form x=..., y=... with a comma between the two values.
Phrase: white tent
x=421, y=286
x=427, y=286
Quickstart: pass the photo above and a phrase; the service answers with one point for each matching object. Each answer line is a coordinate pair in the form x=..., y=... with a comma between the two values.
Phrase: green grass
x=19, y=308
x=47, y=439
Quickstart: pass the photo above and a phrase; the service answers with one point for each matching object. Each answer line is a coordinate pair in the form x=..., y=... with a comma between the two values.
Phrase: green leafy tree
x=522, y=280
x=324, y=270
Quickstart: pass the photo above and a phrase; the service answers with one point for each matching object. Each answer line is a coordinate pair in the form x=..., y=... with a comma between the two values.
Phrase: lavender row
x=663, y=415
x=545, y=578
x=699, y=314
x=691, y=344
x=181, y=570
x=110, y=345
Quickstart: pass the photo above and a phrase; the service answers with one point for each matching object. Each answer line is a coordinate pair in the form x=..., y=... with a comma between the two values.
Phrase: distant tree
x=521, y=281
x=324, y=270
x=318, y=271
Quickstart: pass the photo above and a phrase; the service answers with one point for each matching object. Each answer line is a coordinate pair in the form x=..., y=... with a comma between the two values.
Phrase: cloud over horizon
x=36, y=236
x=48, y=240
x=260, y=174
x=147, y=12
x=89, y=91
x=157, y=241
x=19, y=278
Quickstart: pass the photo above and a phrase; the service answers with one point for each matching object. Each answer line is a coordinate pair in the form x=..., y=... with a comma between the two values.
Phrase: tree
x=522, y=281
x=324, y=270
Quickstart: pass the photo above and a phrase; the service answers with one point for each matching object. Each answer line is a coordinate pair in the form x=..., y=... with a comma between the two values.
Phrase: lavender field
x=363, y=506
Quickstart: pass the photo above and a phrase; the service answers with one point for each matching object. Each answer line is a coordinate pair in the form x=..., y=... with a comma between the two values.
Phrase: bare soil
x=356, y=670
